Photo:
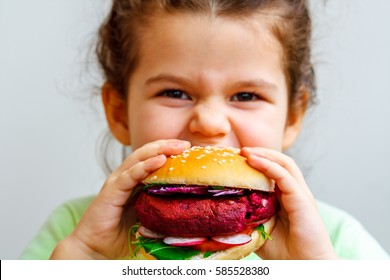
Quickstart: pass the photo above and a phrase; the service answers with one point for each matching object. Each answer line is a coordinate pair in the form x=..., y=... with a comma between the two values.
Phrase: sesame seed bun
x=211, y=166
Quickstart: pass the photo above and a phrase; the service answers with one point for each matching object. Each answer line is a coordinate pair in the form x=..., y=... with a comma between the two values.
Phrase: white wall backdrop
x=50, y=125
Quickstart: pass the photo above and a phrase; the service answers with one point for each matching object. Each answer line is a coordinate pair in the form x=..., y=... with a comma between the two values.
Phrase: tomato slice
x=212, y=246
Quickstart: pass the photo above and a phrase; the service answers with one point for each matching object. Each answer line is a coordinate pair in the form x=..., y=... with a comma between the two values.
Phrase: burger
x=206, y=203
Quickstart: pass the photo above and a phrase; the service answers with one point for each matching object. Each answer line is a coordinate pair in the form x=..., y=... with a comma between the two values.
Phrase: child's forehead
x=258, y=25
x=198, y=28
x=210, y=48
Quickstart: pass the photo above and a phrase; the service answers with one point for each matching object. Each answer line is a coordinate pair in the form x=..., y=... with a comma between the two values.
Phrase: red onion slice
x=226, y=192
x=168, y=190
x=164, y=190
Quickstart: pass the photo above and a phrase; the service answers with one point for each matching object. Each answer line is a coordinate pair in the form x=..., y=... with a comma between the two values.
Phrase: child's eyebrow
x=167, y=78
x=250, y=83
x=256, y=83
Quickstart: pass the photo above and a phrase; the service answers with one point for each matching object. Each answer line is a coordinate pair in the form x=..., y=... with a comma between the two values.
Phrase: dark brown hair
x=119, y=36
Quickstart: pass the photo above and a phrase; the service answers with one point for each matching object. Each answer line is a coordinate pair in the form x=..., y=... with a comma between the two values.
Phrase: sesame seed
x=171, y=168
x=154, y=177
x=203, y=166
x=183, y=160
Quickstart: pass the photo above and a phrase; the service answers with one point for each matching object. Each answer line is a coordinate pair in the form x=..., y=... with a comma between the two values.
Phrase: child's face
x=211, y=81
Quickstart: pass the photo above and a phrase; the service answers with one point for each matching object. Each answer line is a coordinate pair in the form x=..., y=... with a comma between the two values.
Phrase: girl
x=205, y=72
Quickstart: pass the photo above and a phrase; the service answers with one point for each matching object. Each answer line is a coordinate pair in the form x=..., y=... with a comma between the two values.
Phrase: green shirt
x=349, y=238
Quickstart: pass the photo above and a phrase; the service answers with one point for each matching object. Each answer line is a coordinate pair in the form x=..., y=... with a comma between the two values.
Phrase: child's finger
x=274, y=171
x=285, y=180
x=118, y=188
x=153, y=149
x=283, y=160
x=294, y=196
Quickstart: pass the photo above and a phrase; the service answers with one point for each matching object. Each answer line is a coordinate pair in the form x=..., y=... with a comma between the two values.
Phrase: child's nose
x=209, y=120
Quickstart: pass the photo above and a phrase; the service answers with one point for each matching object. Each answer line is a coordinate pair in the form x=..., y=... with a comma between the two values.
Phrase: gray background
x=50, y=125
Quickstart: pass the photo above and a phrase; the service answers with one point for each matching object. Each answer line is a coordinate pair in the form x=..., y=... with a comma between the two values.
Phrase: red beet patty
x=205, y=215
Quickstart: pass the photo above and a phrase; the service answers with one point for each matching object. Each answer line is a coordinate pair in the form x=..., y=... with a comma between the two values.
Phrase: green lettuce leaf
x=162, y=251
x=263, y=233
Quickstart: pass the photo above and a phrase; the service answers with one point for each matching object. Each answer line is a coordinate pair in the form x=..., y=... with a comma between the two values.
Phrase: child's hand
x=299, y=231
x=102, y=231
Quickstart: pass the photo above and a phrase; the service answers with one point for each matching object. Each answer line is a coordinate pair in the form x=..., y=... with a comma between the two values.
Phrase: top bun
x=210, y=166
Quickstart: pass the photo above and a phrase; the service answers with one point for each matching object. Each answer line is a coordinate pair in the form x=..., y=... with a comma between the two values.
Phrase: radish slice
x=234, y=239
x=184, y=241
x=145, y=232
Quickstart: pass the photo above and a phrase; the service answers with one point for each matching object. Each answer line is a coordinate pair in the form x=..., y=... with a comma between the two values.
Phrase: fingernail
x=186, y=143
x=182, y=144
x=161, y=157
x=245, y=150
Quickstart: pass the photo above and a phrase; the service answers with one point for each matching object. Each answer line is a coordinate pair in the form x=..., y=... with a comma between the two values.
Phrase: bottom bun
x=233, y=253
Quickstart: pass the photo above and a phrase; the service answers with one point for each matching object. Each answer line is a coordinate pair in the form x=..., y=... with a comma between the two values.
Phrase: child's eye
x=175, y=93
x=245, y=97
